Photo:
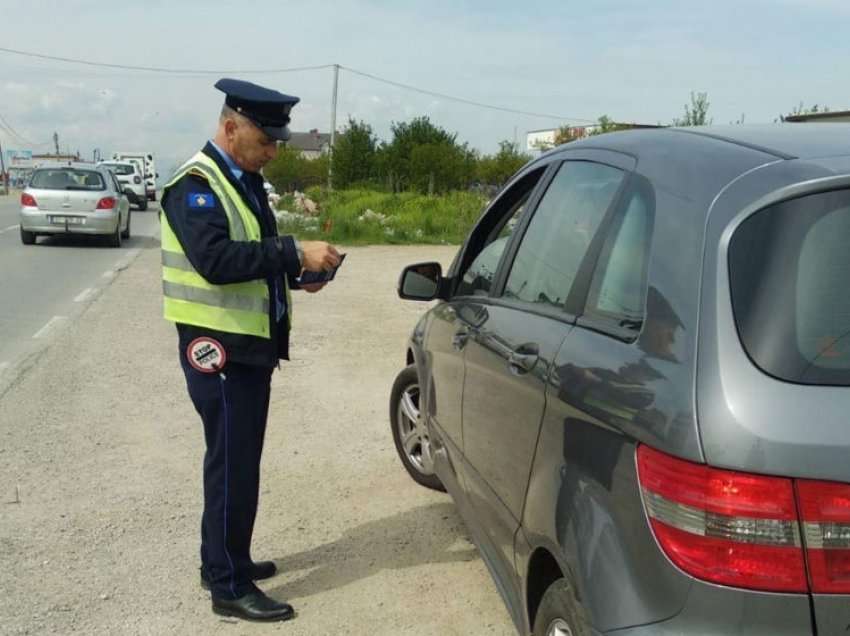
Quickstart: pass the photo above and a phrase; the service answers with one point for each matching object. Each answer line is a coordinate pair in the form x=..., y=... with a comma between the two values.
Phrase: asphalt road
x=44, y=286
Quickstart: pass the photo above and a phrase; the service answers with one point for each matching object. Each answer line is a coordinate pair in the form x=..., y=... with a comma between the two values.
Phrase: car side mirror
x=420, y=282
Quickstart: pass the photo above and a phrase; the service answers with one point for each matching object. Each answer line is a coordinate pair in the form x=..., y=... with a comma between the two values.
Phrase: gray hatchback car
x=636, y=384
x=74, y=198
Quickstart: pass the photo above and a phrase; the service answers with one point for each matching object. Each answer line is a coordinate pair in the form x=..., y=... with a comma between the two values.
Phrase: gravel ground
x=100, y=477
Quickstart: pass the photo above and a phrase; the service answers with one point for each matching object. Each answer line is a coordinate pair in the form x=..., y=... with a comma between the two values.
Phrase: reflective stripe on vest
x=241, y=308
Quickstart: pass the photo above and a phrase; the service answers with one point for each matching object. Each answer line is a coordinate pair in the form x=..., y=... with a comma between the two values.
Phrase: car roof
x=783, y=141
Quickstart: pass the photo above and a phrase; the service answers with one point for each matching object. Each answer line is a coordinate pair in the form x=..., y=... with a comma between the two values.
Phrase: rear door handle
x=523, y=358
x=460, y=338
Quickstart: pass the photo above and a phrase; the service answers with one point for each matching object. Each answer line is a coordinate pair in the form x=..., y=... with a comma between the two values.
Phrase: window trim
x=571, y=308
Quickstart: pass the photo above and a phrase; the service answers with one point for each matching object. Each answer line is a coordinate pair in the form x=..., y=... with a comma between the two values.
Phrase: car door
x=510, y=353
x=452, y=321
x=604, y=385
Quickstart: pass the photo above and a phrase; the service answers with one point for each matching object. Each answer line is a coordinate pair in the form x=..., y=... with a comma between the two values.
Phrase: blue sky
x=634, y=61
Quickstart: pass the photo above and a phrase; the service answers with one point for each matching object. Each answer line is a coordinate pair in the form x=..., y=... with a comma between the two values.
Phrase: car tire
x=559, y=614
x=126, y=233
x=27, y=238
x=143, y=205
x=114, y=239
x=409, y=432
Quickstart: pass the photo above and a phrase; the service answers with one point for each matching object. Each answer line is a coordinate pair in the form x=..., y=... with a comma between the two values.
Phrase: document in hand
x=311, y=278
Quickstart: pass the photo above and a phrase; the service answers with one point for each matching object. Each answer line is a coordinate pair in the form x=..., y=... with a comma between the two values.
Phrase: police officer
x=227, y=275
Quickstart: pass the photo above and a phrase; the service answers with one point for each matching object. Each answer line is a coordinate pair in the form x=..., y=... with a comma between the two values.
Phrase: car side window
x=478, y=278
x=618, y=289
x=560, y=233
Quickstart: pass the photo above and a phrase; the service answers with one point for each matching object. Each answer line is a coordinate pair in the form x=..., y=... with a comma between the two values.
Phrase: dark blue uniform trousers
x=233, y=405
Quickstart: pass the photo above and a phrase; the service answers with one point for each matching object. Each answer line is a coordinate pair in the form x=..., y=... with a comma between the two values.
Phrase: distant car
x=635, y=384
x=129, y=176
x=74, y=199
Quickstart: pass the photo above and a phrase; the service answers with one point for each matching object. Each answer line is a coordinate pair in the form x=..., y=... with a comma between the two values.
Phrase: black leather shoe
x=261, y=570
x=254, y=606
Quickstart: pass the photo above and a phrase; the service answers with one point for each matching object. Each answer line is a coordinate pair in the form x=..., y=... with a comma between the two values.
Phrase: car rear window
x=790, y=268
x=120, y=170
x=67, y=179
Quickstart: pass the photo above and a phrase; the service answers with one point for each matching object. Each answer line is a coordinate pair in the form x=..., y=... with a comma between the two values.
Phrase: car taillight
x=137, y=179
x=723, y=526
x=28, y=200
x=825, y=512
x=106, y=203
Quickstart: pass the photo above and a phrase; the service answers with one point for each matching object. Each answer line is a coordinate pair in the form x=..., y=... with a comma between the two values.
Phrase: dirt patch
x=100, y=478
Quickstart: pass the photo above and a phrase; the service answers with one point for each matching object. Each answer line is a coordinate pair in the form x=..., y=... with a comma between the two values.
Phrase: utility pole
x=3, y=172
x=333, y=128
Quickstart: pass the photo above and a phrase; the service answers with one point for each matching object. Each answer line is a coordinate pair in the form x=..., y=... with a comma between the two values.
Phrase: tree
x=605, y=125
x=354, y=155
x=396, y=156
x=496, y=169
x=290, y=171
x=566, y=134
x=696, y=113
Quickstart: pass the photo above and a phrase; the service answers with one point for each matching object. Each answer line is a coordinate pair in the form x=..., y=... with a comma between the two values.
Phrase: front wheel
x=410, y=434
x=559, y=613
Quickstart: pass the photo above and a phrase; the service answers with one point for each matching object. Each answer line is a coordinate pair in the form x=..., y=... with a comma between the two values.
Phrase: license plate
x=70, y=220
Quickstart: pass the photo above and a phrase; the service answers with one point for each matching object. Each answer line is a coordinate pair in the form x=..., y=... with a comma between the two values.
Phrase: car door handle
x=460, y=338
x=523, y=358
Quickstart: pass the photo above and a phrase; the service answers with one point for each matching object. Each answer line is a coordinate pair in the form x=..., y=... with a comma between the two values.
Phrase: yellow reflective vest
x=239, y=308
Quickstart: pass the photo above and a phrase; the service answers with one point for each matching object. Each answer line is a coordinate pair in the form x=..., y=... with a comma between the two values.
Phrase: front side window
x=789, y=269
x=560, y=232
x=478, y=278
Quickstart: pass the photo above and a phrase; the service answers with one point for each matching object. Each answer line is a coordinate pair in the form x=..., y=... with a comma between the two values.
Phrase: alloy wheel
x=412, y=431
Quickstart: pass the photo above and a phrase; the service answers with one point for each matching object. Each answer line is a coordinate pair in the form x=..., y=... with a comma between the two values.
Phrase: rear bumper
x=39, y=221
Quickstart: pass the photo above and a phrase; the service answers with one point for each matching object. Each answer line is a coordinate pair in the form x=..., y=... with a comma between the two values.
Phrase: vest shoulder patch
x=199, y=200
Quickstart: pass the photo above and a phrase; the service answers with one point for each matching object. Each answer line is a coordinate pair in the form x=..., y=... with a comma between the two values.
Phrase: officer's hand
x=319, y=256
x=312, y=289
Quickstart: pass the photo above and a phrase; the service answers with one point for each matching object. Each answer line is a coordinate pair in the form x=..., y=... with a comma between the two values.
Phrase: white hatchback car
x=74, y=199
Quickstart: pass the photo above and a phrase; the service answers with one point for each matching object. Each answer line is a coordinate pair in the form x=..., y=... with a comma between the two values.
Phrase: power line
x=183, y=71
x=463, y=100
x=157, y=69
x=8, y=127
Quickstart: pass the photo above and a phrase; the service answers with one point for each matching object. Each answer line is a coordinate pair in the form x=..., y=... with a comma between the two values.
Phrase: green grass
x=404, y=218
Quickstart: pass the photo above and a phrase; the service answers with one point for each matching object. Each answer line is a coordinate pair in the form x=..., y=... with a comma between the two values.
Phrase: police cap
x=266, y=107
